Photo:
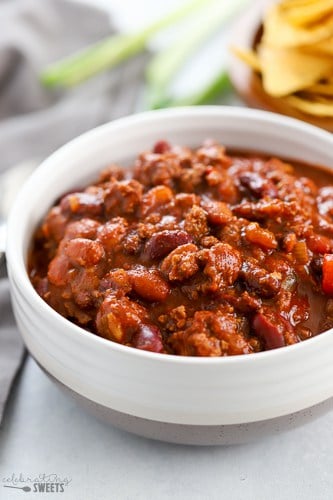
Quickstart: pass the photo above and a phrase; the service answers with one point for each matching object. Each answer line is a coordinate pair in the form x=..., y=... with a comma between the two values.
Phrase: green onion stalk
x=111, y=51
x=163, y=67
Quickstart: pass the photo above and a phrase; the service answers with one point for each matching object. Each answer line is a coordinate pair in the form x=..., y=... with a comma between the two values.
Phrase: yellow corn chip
x=324, y=47
x=248, y=56
x=311, y=107
x=295, y=55
x=285, y=71
x=321, y=89
x=289, y=4
x=278, y=32
x=307, y=14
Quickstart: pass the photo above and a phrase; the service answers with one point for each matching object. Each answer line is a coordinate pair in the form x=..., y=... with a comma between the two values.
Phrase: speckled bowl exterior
x=163, y=396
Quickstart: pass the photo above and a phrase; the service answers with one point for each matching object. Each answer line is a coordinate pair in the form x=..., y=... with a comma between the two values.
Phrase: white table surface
x=44, y=431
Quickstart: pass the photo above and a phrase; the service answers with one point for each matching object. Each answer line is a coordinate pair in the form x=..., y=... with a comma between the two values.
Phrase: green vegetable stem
x=206, y=95
x=163, y=67
x=110, y=51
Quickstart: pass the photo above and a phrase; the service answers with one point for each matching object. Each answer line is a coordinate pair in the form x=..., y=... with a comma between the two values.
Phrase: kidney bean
x=148, y=338
x=154, y=198
x=90, y=204
x=162, y=243
x=148, y=283
x=112, y=233
x=84, y=228
x=257, y=185
x=55, y=224
x=218, y=213
x=267, y=331
x=58, y=269
x=161, y=147
x=84, y=252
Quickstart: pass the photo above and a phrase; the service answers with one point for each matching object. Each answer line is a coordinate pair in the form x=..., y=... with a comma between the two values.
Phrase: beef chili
x=193, y=252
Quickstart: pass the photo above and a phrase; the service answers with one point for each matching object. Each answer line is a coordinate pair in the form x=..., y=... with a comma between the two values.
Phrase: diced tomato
x=327, y=282
x=319, y=243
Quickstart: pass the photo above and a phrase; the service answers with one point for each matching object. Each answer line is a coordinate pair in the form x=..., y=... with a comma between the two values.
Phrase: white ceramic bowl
x=179, y=399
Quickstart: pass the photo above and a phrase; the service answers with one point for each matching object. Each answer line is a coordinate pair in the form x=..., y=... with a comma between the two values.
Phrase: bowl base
x=199, y=435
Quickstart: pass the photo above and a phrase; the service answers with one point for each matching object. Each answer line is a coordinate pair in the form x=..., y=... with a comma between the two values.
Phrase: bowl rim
x=17, y=267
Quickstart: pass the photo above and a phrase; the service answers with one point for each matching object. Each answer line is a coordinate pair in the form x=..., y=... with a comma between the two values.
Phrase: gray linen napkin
x=11, y=346
x=35, y=121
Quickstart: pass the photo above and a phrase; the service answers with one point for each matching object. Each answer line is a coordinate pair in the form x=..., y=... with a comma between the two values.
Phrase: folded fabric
x=35, y=121
x=11, y=346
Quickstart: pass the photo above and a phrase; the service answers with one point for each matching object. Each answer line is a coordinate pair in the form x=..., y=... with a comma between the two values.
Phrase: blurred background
x=206, y=60
x=67, y=66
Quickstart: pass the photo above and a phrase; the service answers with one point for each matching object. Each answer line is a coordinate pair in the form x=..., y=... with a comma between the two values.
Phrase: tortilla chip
x=311, y=107
x=249, y=57
x=321, y=89
x=285, y=71
x=278, y=32
x=306, y=14
x=295, y=55
x=325, y=47
x=289, y=4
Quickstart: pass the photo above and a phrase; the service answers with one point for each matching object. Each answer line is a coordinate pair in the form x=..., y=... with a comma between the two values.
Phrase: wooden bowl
x=246, y=33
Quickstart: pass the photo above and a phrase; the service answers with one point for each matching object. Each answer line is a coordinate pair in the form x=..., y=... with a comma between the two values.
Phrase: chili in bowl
x=196, y=252
x=214, y=254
